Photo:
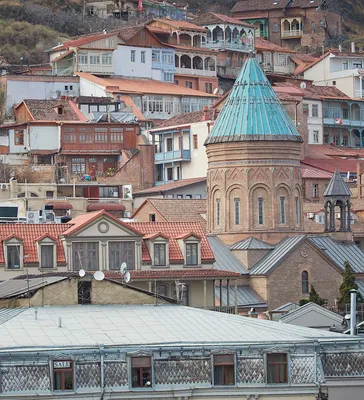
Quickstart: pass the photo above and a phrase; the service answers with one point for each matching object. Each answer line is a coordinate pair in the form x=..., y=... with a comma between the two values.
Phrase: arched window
x=304, y=282
x=275, y=27
x=237, y=210
x=217, y=212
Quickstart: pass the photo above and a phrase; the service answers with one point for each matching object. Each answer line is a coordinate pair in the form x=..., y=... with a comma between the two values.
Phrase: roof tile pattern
x=188, y=118
x=251, y=243
x=214, y=18
x=47, y=110
x=265, y=5
x=170, y=186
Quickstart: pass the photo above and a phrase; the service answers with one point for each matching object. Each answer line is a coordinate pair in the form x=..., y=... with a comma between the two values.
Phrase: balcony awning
x=60, y=205
x=106, y=207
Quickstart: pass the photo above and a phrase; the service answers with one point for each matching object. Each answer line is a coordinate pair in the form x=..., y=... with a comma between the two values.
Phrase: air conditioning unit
x=310, y=215
x=4, y=186
x=32, y=217
x=49, y=217
x=337, y=215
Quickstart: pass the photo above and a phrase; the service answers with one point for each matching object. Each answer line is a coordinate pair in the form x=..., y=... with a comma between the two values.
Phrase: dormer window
x=191, y=253
x=60, y=110
x=13, y=256
x=47, y=256
x=160, y=250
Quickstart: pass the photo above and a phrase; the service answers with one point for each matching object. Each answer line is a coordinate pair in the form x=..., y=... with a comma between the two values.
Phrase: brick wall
x=144, y=213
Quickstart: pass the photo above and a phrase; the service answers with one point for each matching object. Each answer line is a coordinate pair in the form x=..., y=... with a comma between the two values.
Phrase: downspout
x=101, y=349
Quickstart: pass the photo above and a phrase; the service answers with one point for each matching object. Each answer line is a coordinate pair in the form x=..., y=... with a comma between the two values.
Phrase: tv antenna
x=124, y=271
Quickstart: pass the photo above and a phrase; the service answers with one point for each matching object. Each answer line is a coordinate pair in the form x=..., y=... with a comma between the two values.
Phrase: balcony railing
x=223, y=309
x=173, y=155
x=96, y=68
x=191, y=71
x=292, y=33
x=163, y=66
x=339, y=122
x=220, y=44
x=359, y=94
x=262, y=34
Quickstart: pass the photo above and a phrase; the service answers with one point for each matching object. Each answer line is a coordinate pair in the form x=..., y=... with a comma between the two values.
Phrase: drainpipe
x=101, y=349
x=353, y=311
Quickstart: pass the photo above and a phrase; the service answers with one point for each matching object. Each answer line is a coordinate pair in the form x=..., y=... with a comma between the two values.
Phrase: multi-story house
x=341, y=69
x=296, y=24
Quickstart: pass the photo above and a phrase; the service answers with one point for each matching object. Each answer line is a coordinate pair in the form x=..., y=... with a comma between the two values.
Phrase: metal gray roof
x=225, y=259
x=360, y=284
x=339, y=252
x=123, y=117
x=337, y=186
x=17, y=287
x=246, y=296
x=144, y=325
x=7, y=314
x=251, y=243
x=275, y=257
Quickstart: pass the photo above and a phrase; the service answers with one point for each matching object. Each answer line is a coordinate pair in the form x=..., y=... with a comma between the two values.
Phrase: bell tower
x=254, y=179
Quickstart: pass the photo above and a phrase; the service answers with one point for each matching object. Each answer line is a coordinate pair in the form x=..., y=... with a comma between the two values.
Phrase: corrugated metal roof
x=251, y=244
x=273, y=258
x=224, y=258
x=17, y=287
x=360, y=284
x=7, y=314
x=145, y=325
x=246, y=296
x=339, y=252
x=337, y=186
x=252, y=111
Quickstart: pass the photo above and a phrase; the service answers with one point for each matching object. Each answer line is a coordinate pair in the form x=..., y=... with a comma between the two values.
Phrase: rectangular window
x=120, y=252
x=142, y=57
x=188, y=84
x=83, y=58
x=217, y=211
x=151, y=217
x=237, y=211
x=169, y=174
x=101, y=135
x=195, y=142
x=283, y=209
x=345, y=113
x=116, y=135
x=13, y=252
x=156, y=56
x=84, y=292
x=178, y=174
x=141, y=372
x=277, y=371
x=95, y=59
x=316, y=136
x=179, y=196
x=224, y=370
x=167, y=58
x=345, y=64
x=168, y=77
x=297, y=208
x=160, y=254
x=357, y=64
x=47, y=256
x=314, y=110
x=169, y=144
x=132, y=55
x=208, y=87
x=63, y=375
x=191, y=253
x=78, y=166
x=315, y=190
x=260, y=211
x=106, y=58
x=19, y=138
x=85, y=256
x=85, y=135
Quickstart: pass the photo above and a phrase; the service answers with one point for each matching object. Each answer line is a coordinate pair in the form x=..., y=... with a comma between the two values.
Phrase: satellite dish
x=127, y=277
x=99, y=275
x=82, y=273
x=123, y=268
x=216, y=90
x=303, y=85
x=54, y=96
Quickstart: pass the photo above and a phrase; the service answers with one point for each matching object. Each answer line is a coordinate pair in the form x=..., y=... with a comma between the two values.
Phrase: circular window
x=103, y=227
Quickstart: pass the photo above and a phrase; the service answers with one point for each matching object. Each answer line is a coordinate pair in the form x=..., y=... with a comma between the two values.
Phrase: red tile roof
x=63, y=55
x=188, y=118
x=332, y=164
x=214, y=18
x=265, y=5
x=174, y=230
x=185, y=273
x=323, y=92
x=169, y=186
x=315, y=173
x=30, y=234
x=180, y=24
x=262, y=44
x=106, y=207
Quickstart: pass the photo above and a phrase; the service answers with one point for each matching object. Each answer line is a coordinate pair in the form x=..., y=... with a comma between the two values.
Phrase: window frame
x=314, y=114
x=315, y=190
x=63, y=370
x=19, y=134
x=305, y=282
x=143, y=56
x=237, y=211
x=267, y=364
x=140, y=368
x=195, y=141
x=191, y=263
x=160, y=245
x=54, y=252
x=132, y=56
x=19, y=245
x=282, y=210
x=316, y=137
x=87, y=259
x=224, y=364
x=260, y=210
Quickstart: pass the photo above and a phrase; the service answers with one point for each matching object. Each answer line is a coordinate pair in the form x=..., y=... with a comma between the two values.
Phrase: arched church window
x=217, y=211
x=237, y=211
x=283, y=209
x=304, y=282
x=297, y=210
x=260, y=211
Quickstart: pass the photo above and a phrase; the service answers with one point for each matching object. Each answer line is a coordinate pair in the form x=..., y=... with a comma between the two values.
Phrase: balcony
x=195, y=72
x=261, y=33
x=163, y=66
x=293, y=33
x=176, y=155
x=359, y=94
x=96, y=69
x=220, y=44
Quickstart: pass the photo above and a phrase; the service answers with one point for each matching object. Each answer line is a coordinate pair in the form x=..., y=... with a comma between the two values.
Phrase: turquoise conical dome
x=252, y=111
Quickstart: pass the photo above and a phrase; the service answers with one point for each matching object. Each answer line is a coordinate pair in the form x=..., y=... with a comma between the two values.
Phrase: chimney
x=205, y=110
x=340, y=48
x=353, y=47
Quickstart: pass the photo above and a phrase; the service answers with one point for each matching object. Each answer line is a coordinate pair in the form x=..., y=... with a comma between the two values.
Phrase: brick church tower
x=254, y=182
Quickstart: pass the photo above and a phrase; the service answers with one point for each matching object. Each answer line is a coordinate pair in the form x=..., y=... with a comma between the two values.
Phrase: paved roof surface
x=337, y=186
x=225, y=259
x=252, y=111
x=247, y=297
x=16, y=287
x=7, y=314
x=147, y=325
x=251, y=243
x=339, y=252
x=276, y=256
x=169, y=186
x=215, y=18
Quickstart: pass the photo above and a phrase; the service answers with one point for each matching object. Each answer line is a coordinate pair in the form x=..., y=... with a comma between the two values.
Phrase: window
x=275, y=27
x=217, y=211
x=66, y=88
x=69, y=135
x=120, y=252
x=198, y=196
x=297, y=209
x=156, y=56
x=49, y=194
x=176, y=81
x=78, y=166
x=277, y=371
x=63, y=375
x=141, y=372
x=151, y=217
x=169, y=144
x=47, y=256
x=85, y=135
x=333, y=83
x=315, y=190
x=84, y=292
x=188, y=196
x=160, y=254
x=237, y=211
x=106, y=59
x=142, y=57
x=95, y=59
x=260, y=211
x=208, y=87
x=167, y=57
x=83, y=58
x=313, y=27
x=304, y=281
x=168, y=77
x=178, y=174
x=195, y=142
x=109, y=191
x=224, y=370
x=191, y=253
x=60, y=110
x=188, y=84
x=316, y=136
x=314, y=110
x=357, y=64
x=13, y=253
x=19, y=138
x=345, y=64
x=170, y=174
x=179, y=196
x=283, y=209
x=345, y=113
x=116, y=135
x=85, y=256
x=132, y=55
x=71, y=87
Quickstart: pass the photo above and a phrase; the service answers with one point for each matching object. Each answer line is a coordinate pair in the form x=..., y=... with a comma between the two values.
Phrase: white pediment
x=105, y=227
